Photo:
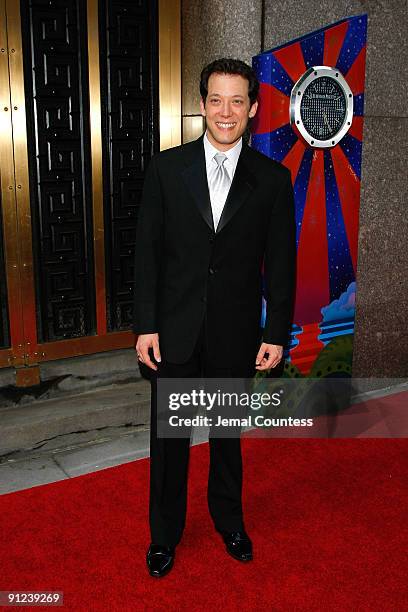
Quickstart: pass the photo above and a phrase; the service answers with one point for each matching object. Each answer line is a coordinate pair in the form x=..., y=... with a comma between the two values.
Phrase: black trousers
x=169, y=458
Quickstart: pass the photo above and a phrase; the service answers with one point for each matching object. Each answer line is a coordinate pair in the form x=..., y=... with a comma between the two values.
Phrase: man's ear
x=202, y=107
x=253, y=109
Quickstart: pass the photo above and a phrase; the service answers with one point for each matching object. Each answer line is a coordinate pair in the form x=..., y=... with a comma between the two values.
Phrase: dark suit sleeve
x=279, y=266
x=149, y=241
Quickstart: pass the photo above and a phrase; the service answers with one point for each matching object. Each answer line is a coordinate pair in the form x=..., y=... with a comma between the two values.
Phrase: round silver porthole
x=321, y=107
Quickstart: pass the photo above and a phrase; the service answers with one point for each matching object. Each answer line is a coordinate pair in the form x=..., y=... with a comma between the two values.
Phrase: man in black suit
x=212, y=212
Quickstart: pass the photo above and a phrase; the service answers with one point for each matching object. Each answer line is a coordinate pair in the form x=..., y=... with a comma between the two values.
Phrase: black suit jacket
x=184, y=270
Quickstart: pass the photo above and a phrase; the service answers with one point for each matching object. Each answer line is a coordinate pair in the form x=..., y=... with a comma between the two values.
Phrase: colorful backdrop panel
x=325, y=163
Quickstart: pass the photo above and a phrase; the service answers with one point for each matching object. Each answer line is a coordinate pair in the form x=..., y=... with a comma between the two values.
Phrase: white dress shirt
x=218, y=198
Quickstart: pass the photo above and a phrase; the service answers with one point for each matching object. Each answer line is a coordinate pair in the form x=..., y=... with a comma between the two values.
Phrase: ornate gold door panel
x=80, y=81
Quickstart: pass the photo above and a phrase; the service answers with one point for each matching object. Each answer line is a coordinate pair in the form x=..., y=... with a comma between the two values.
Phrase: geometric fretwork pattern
x=128, y=79
x=57, y=103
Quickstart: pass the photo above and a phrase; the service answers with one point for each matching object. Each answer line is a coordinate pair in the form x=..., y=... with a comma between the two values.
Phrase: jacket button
x=204, y=299
x=211, y=271
x=211, y=239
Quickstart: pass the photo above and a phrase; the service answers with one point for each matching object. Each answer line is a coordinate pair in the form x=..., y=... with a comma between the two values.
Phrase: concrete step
x=64, y=377
x=69, y=420
x=40, y=467
x=66, y=437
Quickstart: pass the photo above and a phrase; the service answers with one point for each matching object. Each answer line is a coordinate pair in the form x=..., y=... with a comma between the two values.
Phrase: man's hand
x=144, y=342
x=274, y=351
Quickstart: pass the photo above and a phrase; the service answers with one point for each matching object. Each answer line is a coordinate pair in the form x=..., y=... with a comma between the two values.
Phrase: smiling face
x=227, y=109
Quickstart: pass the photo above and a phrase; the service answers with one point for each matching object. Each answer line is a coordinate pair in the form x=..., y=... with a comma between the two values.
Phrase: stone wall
x=242, y=29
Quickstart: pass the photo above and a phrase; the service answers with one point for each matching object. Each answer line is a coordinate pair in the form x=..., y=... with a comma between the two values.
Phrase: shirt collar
x=232, y=154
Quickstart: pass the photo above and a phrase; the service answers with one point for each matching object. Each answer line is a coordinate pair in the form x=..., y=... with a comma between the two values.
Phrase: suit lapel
x=195, y=177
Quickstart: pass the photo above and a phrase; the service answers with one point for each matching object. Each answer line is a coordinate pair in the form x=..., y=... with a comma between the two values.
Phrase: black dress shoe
x=238, y=545
x=160, y=559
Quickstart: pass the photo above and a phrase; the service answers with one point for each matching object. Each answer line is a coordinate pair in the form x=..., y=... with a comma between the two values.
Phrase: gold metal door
x=25, y=344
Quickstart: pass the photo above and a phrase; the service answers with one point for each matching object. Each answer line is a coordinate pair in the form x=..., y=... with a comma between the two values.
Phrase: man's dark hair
x=230, y=66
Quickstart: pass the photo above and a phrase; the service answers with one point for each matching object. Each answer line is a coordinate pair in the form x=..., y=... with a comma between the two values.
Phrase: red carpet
x=328, y=519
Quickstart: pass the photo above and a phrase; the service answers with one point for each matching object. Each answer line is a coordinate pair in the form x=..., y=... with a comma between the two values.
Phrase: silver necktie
x=221, y=180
